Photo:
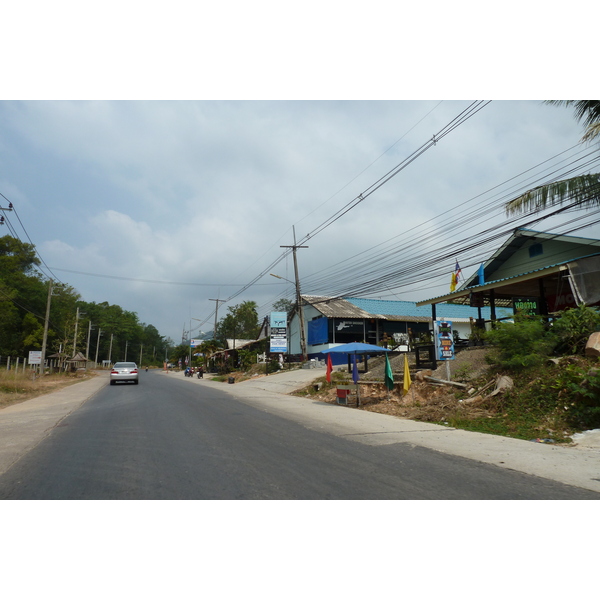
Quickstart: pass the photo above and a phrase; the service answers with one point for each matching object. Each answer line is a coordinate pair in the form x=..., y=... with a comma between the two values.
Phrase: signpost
x=278, y=325
x=35, y=357
x=444, y=343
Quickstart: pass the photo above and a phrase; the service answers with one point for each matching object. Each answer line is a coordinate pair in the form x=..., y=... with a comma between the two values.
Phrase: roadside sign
x=278, y=322
x=35, y=357
x=444, y=340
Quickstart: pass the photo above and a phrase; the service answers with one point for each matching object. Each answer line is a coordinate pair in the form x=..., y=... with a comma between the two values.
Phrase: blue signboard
x=444, y=340
x=278, y=322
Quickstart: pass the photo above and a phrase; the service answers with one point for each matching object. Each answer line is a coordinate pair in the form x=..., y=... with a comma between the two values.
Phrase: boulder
x=592, y=348
x=420, y=375
x=503, y=383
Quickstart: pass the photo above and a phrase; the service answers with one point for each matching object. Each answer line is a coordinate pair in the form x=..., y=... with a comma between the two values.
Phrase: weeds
x=17, y=387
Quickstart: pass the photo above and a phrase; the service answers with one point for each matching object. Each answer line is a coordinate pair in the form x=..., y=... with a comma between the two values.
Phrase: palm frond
x=584, y=189
x=592, y=132
x=587, y=112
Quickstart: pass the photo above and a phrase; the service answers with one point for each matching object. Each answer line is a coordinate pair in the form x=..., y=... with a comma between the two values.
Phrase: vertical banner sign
x=278, y=324
x=444, y=340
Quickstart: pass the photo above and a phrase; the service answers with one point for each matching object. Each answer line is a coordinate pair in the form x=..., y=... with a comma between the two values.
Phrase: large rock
x=592, y=348
x=504, y=382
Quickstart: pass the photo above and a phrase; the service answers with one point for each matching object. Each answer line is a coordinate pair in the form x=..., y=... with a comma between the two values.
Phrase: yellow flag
x=453, y=282
x=407, y=380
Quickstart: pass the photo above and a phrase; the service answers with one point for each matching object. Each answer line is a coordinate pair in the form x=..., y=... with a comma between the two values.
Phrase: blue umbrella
x=356, y=348
x=353, y=349
x=355, y=371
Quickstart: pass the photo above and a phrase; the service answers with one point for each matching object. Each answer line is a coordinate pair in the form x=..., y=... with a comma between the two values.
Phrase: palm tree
x=208, y=348
x=584, y=189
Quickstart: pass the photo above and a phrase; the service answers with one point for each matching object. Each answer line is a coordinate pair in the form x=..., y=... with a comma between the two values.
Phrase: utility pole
x=141, y=350
x=216, y=313
x=299, y=298
x=45, y=338
x=110, y=348
x=75, y=336
x=126, y=343
x=87, y=347
x=97, y=346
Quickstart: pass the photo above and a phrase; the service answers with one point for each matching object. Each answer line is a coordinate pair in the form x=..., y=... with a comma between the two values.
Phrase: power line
x=463, y=116
x=366, y=263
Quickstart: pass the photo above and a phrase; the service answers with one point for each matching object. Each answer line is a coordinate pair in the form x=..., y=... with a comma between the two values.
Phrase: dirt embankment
x=424, y=401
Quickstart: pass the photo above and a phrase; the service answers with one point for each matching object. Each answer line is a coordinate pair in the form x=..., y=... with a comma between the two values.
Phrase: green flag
x=389, y=376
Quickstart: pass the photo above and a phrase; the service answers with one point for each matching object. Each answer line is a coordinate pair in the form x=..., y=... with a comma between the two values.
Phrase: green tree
x=32, y=332
x=583, y=188
x=283, y=305
x=241, y=322
x=23, y=299
x=207, y=348
x=22, y=292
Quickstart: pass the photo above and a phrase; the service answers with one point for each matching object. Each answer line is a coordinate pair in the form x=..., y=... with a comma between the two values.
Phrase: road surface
x=174, y=438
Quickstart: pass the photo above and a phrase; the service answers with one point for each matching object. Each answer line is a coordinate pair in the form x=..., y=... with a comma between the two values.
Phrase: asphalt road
x=171, y=438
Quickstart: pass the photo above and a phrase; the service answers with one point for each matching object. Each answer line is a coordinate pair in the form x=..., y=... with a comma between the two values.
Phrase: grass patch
x=548, y=401
x=18, y=387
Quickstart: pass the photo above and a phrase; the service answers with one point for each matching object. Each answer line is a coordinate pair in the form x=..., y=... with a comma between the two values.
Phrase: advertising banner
x=528, y=306
x=444, y=340
x=278, y=323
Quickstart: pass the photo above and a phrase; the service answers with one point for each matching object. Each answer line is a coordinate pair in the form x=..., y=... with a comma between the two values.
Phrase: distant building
x=333, y=321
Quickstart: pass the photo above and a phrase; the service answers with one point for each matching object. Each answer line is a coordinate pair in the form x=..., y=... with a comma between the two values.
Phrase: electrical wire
x=378, y=260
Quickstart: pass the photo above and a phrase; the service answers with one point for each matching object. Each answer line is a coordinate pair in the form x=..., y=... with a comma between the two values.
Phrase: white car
x=124, y=371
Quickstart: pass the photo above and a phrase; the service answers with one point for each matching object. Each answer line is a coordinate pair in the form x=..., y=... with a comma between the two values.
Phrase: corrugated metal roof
x=338, y=308
x=520, y=236
x=494, y=283
x=393, y=310
x=407, y=311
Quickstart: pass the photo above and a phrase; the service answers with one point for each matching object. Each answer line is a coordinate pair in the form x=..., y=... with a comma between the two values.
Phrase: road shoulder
x=23, y=426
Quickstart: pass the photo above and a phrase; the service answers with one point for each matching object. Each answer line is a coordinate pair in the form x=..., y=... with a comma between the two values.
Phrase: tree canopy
x=23, y=299
x=241, y=322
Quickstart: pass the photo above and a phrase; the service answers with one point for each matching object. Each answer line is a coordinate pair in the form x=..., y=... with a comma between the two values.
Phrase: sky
x=162, y=206
x=181, y=143
x=160, y=160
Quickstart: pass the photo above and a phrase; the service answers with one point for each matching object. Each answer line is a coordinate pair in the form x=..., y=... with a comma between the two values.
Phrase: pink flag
x=329, y=368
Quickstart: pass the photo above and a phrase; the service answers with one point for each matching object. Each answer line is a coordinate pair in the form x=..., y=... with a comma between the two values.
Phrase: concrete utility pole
x=299, y=298
x=46, y=321
x=97, y=346
x=75, y=336
x=110, y=348
x=216, y=313
x=87, y=347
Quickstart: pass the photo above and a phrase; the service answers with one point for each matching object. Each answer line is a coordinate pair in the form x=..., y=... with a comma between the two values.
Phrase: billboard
x=444, y=340
x=278, y=326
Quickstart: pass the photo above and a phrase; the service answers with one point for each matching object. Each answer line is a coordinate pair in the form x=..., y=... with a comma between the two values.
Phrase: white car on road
x=124, y=371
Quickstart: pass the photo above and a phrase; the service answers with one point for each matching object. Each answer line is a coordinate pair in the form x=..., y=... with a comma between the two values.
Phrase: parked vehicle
x=124, y=371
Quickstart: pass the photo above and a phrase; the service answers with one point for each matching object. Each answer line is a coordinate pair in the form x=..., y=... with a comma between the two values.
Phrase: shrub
x=573, y=328
x=523, y=344
x=273, y=366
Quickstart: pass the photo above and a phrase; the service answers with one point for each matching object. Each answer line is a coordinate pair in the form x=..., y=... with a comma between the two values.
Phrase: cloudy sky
x=160, y=206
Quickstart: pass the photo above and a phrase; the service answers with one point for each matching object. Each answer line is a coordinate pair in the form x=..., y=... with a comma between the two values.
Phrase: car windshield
x=124, y=365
